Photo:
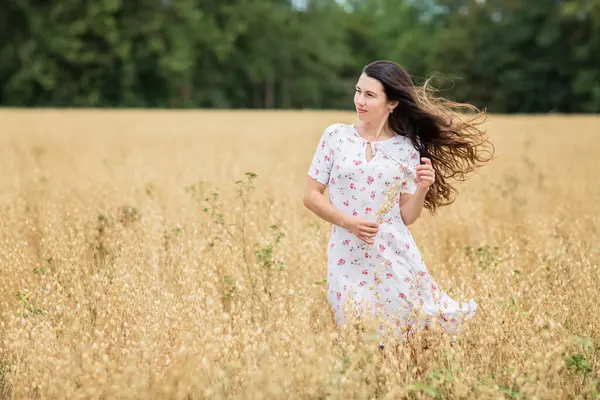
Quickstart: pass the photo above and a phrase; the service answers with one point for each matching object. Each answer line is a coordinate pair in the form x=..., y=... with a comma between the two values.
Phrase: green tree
x=581, y=19
x=504, y=55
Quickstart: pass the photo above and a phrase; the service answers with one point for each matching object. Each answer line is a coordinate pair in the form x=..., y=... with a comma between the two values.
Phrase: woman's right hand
x=362, y=228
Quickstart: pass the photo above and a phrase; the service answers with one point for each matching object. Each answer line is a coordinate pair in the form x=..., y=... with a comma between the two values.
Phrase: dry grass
x=134, y=266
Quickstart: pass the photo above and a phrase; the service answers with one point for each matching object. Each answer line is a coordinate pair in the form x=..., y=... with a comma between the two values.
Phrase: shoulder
x=334, y=134
x=402, y=148
x=402, y=142
x=338, y=128
x=338, y=131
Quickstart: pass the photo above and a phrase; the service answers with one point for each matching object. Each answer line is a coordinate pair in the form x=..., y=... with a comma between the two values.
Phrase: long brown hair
x=452, y=140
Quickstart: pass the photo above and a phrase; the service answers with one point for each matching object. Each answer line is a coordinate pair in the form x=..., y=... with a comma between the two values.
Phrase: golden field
x=140, y=260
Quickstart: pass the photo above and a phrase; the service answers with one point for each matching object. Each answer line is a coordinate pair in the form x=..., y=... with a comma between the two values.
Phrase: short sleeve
x=413, y=159
x=322, y=161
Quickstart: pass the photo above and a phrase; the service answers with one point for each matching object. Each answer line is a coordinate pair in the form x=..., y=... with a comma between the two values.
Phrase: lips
x=360, y=110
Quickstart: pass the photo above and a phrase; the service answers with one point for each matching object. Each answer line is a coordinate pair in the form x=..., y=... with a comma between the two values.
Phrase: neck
x=376, y=130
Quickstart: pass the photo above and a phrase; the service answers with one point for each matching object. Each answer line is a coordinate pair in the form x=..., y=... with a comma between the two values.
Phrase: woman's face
x=370, y=100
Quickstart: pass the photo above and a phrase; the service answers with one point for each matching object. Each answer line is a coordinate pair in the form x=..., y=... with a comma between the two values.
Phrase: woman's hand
x=362, y=228
x=425, y=174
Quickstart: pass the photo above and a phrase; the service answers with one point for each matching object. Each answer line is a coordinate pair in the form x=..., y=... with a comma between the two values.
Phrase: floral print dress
x=389, y=277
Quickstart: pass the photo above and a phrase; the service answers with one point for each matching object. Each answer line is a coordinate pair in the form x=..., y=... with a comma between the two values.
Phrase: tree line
x=507, y=56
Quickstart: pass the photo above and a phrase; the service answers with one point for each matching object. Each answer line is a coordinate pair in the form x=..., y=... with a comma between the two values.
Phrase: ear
x=393, y=104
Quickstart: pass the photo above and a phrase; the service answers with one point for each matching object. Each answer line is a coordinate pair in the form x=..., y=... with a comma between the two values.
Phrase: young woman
x=381, y=172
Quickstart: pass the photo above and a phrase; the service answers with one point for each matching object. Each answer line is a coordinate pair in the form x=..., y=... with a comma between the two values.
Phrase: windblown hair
x=451, y=139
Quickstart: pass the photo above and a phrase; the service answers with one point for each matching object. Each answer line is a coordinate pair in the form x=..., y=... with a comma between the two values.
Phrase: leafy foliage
x=506, y=56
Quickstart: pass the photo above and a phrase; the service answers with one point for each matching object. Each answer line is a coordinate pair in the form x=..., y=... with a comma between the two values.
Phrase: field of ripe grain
x=159, y=255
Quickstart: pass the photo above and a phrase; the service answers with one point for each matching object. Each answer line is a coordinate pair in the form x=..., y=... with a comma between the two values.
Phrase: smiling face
x=370, y=100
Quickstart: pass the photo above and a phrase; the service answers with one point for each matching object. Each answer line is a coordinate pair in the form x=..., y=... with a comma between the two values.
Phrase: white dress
x=389, y=277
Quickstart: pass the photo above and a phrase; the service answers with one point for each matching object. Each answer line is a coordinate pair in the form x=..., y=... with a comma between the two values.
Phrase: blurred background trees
x=509, y=56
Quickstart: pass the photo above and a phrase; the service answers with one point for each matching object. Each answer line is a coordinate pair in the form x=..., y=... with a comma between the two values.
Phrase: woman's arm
x=316, y=202
x=411, y=205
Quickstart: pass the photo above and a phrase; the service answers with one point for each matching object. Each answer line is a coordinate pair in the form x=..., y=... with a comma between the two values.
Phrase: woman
x=381, y=172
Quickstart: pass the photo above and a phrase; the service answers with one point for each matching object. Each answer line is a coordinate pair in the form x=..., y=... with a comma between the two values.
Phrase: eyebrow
x=368, y=91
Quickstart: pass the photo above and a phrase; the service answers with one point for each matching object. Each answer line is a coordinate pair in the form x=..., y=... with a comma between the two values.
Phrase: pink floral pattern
x=388, y=277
